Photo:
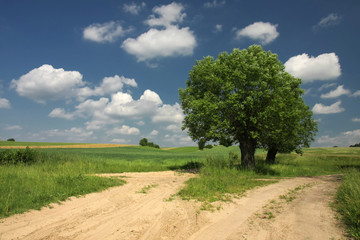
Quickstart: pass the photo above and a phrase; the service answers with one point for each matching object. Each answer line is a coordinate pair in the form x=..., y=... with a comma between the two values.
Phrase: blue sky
x=109, y=71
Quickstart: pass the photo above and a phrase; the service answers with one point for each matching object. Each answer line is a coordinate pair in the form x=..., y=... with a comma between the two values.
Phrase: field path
x=126, y=213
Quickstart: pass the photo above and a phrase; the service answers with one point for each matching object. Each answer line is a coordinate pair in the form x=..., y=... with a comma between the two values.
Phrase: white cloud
x=327, y=85
x=109, y=85
x=133, y=8
x=123, y=105
x=343, y=139
x=322, y=109
x=173, y=128
x=214, y=4
x=172, y=41
x=4, y=103
x=75, y=134
x=339, y=91
x=60, y=113
x=14, y=127
x=168, y=14
x=264, y=32
x=330, y=20
x=218, y=28
x=140, y=123
x=323, y=67
x=120, y=141
x=104, y=32
x=125, y=130
x=169, y=113
x=169, y=41
x=355, y=119
x=154, y=133
x=47, y=83
x=357, y=93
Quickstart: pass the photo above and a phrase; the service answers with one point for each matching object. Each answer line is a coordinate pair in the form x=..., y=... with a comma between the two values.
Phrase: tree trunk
x=271, y=154
x=247, y=148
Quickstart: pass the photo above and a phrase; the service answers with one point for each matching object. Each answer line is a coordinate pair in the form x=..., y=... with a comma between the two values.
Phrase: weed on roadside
x=147, y=188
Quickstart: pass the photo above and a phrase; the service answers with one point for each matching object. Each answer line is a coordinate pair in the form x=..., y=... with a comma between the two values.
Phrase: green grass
x=52, y=179
x=61, y=173
x=348, y=202
x=10, y=143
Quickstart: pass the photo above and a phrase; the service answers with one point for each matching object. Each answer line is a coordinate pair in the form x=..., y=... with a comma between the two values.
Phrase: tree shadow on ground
x=265, y=169
x=189, y=167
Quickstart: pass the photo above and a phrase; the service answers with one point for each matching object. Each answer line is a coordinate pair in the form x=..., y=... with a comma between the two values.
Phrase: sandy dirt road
x=126, y=213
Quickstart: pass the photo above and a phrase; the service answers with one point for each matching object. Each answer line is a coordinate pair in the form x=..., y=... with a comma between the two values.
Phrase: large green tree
x=232, y=99
x=293, y=127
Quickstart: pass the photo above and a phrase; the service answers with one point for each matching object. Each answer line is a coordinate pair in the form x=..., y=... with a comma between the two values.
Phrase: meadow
x=60, y=173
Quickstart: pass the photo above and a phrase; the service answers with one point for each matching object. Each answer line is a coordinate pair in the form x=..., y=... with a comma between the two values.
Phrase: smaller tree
x=11, y=140
x=143, y=142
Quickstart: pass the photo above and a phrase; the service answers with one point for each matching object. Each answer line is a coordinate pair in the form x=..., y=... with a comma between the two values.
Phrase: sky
x=94, y=71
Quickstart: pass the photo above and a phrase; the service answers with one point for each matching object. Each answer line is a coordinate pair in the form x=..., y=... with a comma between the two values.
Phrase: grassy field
x=60, y=173
x=10, y=143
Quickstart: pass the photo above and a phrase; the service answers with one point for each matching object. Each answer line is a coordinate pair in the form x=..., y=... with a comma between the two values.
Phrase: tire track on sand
x=123, y=213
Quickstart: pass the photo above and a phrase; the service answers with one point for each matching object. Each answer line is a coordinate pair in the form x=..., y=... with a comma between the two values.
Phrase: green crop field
x=56, y=174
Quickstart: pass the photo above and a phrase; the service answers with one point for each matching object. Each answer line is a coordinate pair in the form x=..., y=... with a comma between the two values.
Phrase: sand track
x=124, y=213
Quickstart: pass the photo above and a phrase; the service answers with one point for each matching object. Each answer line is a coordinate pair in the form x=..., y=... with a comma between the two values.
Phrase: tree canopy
x=246, y=98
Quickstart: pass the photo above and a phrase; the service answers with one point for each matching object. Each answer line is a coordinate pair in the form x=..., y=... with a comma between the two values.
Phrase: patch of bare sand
x=123, y=213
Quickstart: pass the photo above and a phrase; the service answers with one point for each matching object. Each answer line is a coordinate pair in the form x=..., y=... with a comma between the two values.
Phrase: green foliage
x=11, y=140
x=348, y=202
x=239, y=97
x=27, y=156
x=145, y=143
x=220, y=179
x=355, y=145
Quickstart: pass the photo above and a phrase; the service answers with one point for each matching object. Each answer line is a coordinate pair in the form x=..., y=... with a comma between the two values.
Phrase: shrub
x=145, y=143
x=11, y=140
x=348, y=202
x=26, y=156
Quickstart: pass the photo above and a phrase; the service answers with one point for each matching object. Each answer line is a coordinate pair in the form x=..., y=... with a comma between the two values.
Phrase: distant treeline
x=355, y=145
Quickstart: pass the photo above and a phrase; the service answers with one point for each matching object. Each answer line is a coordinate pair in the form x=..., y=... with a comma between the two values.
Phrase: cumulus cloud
x=167, y=15
x=323, y=67
x=133, y=8
x=355, y=119
x=322, y=109
x=48, y=83
x=168, y=41
x=14, y=127
x=218, y=28
x=214, y=4
x=123, y=105
x=109, y=85
x=264, y=32
x=104, y=32
x=154, y=133
x=60, y=113
x=120, y=141
x=173, y=128
x=4, y=103
x=339, y=91
x=169, y=113
x=74, y=134
x=172, y=41
x=357, y=93
x=331, y=20
x=343, y=139
x=327, y=85
x=125, y=130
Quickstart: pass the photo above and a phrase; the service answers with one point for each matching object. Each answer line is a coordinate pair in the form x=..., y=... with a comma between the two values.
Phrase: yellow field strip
x=69, y=146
